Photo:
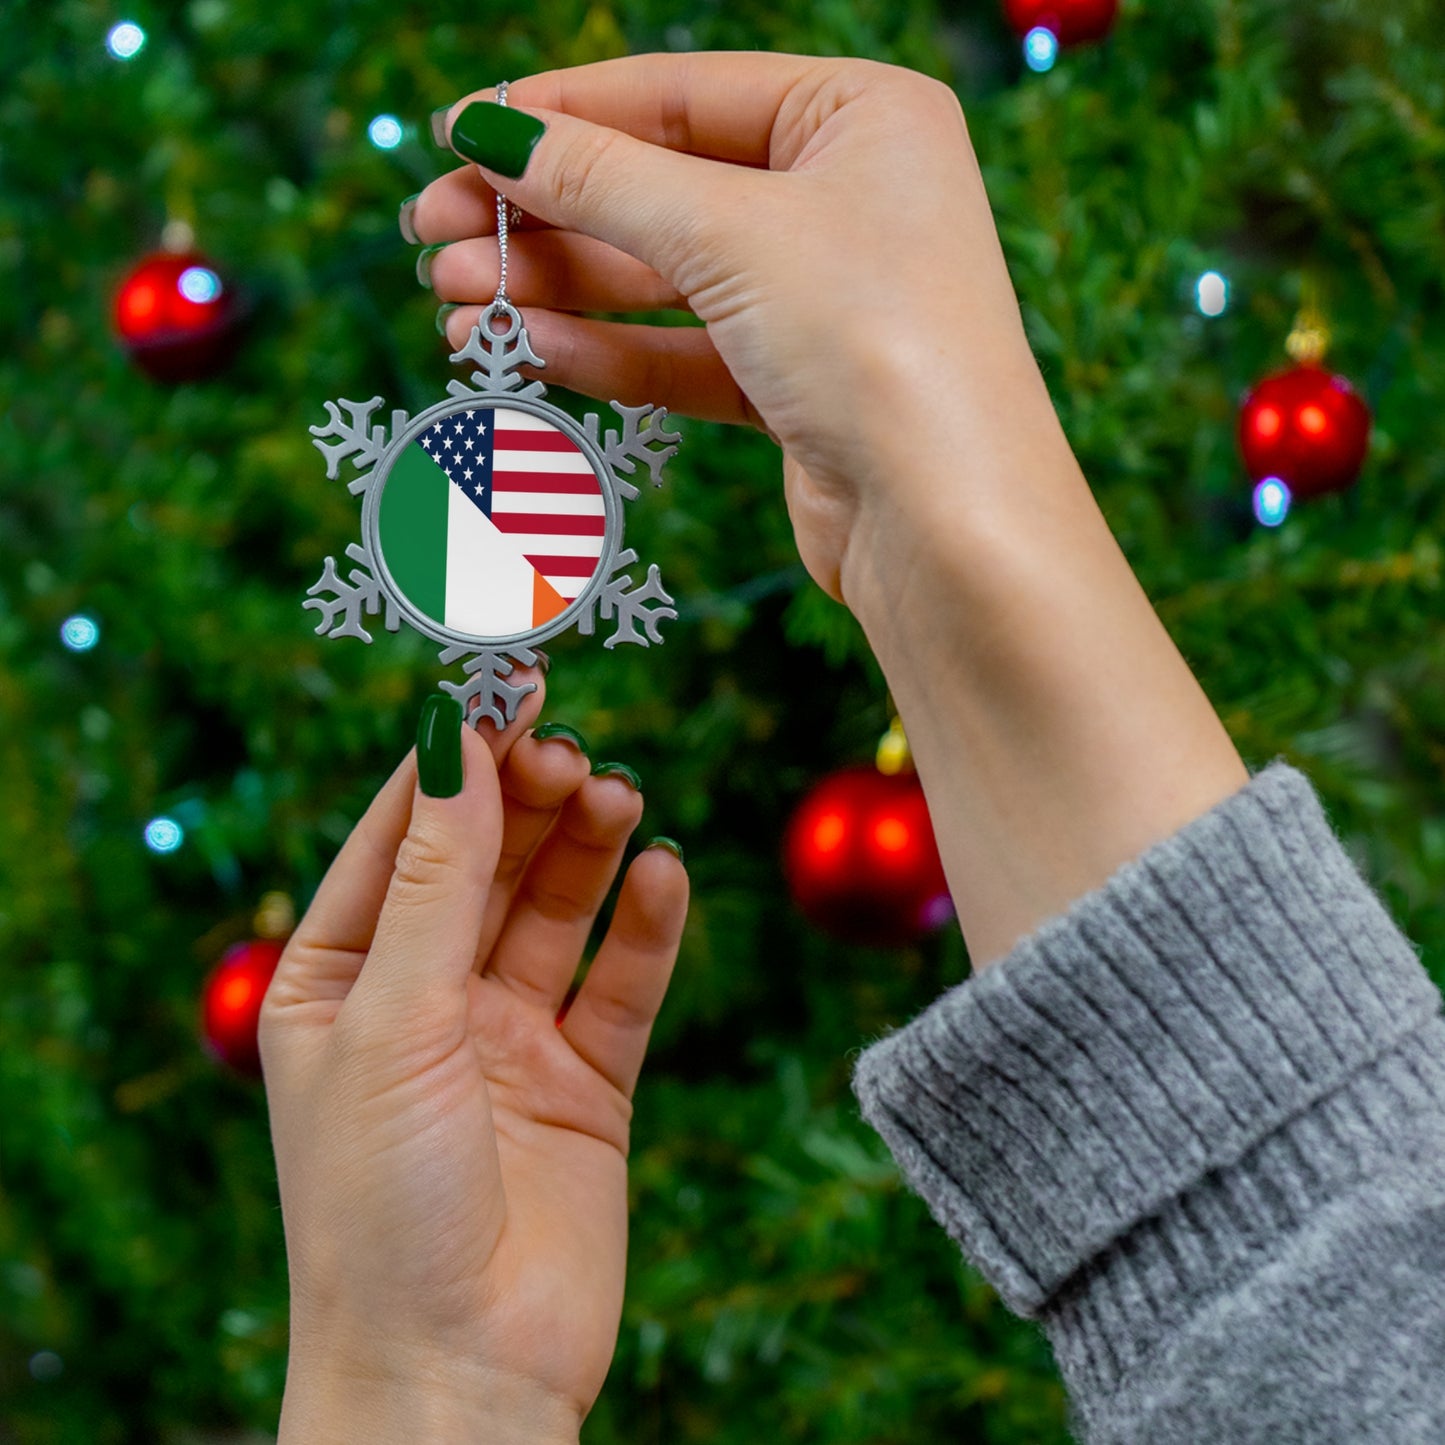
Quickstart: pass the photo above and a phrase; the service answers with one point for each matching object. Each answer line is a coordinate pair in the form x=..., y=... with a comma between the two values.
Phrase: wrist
x=340, y=1400
x=957, y=471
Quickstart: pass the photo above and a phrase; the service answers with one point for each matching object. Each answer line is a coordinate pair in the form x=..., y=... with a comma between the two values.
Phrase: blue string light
x=80, y=633
x=385, y=132
x=164, y=835
x=1271, y=502
x=1041, y=48
x=126, y=40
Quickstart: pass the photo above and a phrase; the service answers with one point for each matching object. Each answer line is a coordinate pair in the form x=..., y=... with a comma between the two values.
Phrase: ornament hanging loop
x=502, y=308
x=893, y=755
x=1310, y=338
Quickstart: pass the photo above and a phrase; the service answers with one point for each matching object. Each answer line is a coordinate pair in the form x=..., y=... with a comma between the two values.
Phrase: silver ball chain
x=501, y=299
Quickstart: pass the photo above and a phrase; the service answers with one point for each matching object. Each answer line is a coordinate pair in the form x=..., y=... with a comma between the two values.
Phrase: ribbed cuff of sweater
x=1216, y=988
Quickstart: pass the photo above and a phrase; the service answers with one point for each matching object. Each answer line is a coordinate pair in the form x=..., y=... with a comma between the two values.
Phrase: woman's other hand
x=452, y=1157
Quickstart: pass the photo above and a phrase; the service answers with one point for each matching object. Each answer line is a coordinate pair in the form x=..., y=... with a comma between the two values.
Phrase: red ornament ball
x=176, y=318
x=1306, y=427
x=1073, y=22
x=231, y=1003
x=861, y=860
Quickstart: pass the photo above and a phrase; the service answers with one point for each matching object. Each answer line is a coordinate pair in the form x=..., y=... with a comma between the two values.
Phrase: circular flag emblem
x=491, y=522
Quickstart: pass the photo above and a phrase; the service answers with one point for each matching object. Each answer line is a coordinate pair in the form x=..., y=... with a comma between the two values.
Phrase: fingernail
x=439, y=125
x=617, y=770
x=496, y=136
x=561, y=730
x=404, y=220
x=671, y=844
x=423, y=263
x=543, y=661
x=443, y=312
x=439, y=747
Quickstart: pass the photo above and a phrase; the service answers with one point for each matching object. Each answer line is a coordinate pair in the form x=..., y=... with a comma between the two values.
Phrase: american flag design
x=492, y=521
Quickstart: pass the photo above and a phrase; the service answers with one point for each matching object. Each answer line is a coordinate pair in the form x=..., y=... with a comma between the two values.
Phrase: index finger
x=751, y=109
x=723, y=105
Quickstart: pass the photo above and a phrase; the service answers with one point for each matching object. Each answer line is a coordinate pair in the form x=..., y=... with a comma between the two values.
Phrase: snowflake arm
x=360, y=441
x=341, y=613
x=643, y=438
x=630, y=607
x=485, y=693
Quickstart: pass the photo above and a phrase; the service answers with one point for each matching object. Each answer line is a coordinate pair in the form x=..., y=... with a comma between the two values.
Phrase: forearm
x=1057, y=730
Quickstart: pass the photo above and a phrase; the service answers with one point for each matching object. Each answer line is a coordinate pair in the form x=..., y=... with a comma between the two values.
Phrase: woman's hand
x=828, y=222
x=452, y=1158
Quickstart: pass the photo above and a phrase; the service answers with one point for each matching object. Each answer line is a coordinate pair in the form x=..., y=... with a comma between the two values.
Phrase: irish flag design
x=492, y=522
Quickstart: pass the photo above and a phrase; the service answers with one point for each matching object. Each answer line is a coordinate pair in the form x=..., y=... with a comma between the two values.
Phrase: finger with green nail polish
x=618, y=770
x=561, y=730
x=406, y=220
x=496, y=136
x=424, y=260
x=671, y=844
x=439, y=746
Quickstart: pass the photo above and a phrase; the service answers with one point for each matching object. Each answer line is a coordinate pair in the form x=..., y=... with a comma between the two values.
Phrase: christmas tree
x=178, y=744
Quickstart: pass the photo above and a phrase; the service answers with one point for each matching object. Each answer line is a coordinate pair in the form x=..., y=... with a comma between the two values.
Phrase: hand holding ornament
x=826, y=221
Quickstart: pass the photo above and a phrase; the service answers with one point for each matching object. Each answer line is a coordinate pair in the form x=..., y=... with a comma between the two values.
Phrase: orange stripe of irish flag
x=547, y=602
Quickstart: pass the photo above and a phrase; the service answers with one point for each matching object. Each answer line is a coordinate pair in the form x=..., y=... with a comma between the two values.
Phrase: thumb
x=422, y=952
x=646, y=200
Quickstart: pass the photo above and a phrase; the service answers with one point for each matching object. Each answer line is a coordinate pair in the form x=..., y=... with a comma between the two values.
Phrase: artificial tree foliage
x=783, y=1284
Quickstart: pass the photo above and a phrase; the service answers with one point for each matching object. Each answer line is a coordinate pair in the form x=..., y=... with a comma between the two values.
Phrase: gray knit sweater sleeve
x=1195, y=1126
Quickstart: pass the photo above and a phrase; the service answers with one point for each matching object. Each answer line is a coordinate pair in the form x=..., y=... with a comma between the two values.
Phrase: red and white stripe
x=547, y=498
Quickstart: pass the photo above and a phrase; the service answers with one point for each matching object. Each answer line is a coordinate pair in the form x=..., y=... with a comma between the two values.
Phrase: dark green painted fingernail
x=423, y=263
x=404, y=220
x=618, y=770
x=671, y=844
x=496, y=136
x=443, y=312
x=439, y=746
x=439, y=125
x=561, y=730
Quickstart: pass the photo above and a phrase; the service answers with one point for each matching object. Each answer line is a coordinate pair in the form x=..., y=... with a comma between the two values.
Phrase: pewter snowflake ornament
x=492, y=521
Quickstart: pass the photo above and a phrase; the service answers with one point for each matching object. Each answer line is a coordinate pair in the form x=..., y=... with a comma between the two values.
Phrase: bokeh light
x=1271, y=502
x=126, y=40
x=1041, y=48
x=385, y=132
x=1212, y=294
x=80, y=633
x=164, y=835
x=199, y=284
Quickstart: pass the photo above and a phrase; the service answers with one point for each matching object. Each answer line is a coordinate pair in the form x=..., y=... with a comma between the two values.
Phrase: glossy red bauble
x=231, y=1003
x=1308, y=428
x=861, y=860
x=176, y=317
x=1073, y=22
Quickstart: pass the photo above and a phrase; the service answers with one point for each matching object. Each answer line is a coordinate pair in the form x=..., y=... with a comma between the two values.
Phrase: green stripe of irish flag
x=451, y=561
x=413, y=528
